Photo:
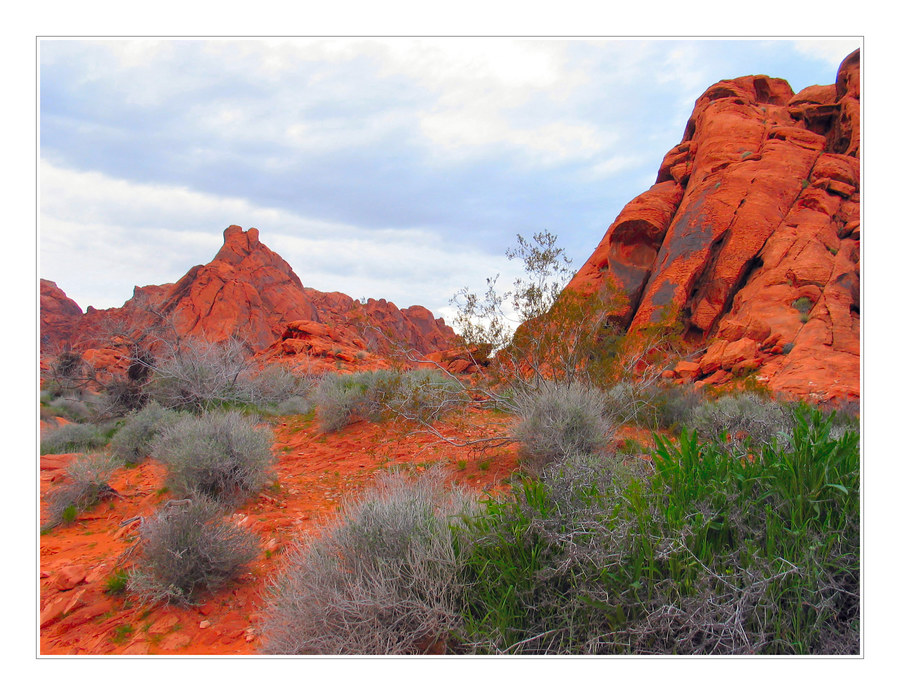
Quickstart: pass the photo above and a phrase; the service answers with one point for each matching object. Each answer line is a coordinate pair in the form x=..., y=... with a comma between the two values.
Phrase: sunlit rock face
x=250, y=293
x=752, y=234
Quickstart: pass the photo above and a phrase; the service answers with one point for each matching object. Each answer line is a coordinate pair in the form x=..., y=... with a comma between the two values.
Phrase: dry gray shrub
x=195, y=374
x=87, y=484
x=222, y=455
x=424, y=395
x=338, y=399
x=77, y=408
x=420, y=396
x=134, y=440
x=275, y=387
x=75, y=436
x=188, y=549
x=747, y=417
x=559, y=420
x=382, y=580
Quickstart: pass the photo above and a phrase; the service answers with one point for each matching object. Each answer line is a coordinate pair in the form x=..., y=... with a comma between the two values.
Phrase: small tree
x=541, y=330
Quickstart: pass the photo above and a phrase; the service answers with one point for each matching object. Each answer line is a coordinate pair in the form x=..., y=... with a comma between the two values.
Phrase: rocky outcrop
x=351, y=332
x=250, y=293
x=751, y=234
x=59, y=316
x=246, y=291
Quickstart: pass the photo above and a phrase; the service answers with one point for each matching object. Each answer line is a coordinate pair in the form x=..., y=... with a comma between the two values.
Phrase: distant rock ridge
x=752, y=234
x=249, y=292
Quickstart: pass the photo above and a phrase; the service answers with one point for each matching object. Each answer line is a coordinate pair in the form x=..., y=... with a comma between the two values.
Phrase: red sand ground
x=315, y=473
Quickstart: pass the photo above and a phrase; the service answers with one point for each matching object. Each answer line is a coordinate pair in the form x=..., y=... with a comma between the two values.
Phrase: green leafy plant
x=707, y=552
x=117, y=582
x=121, y=633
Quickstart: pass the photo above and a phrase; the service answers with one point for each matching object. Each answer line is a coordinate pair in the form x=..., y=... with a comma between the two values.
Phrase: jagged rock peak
x=238, y=244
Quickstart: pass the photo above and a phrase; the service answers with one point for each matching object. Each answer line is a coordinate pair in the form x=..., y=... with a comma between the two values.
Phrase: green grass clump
x=708, y=552
x=117, y=582
x=121, y=633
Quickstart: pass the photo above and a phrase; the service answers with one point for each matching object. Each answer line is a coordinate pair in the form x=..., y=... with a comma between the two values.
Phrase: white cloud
x=100, y=236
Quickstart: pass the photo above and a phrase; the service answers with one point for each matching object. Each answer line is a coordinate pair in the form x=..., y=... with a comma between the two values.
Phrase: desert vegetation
x=383, y=580
x=87, y=482
x=734, y=528
x=221, y=455
x=421, y=396
x=705, y=549
x=737, y=532
x=186, y=549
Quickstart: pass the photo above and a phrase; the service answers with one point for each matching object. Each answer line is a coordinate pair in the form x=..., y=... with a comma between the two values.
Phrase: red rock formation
x=348, y=331
x=249, y=292
x=754, y=214
x=59, y=316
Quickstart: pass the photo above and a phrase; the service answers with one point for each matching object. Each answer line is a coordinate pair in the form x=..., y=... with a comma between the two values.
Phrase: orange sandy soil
x=315, y=473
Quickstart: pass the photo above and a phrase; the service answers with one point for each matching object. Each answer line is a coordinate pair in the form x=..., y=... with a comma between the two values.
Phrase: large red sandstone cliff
x=752, y=234
x=249, y=292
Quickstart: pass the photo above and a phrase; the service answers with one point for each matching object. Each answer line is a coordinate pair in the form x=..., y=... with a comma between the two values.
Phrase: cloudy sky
x=396, y=168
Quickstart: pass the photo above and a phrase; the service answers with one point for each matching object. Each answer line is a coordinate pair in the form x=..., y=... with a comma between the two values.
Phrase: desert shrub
x=708, y=552
x=68, y=374
x=382, y=580
x=651, y=404
x=273, y=385
x=742, y=416
x=671, y=406
x=534, y=578
x=196, y=375
x=74, y=408
x=87, y=484
x=134, y=439
x=187, y=549
x=845, y=417
x=338, y=398
x=421, y=396
x=123, y=395
x=424, y=396
x=295, y=405
x=75, y=436
x=559, y=420
x=221, y=454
